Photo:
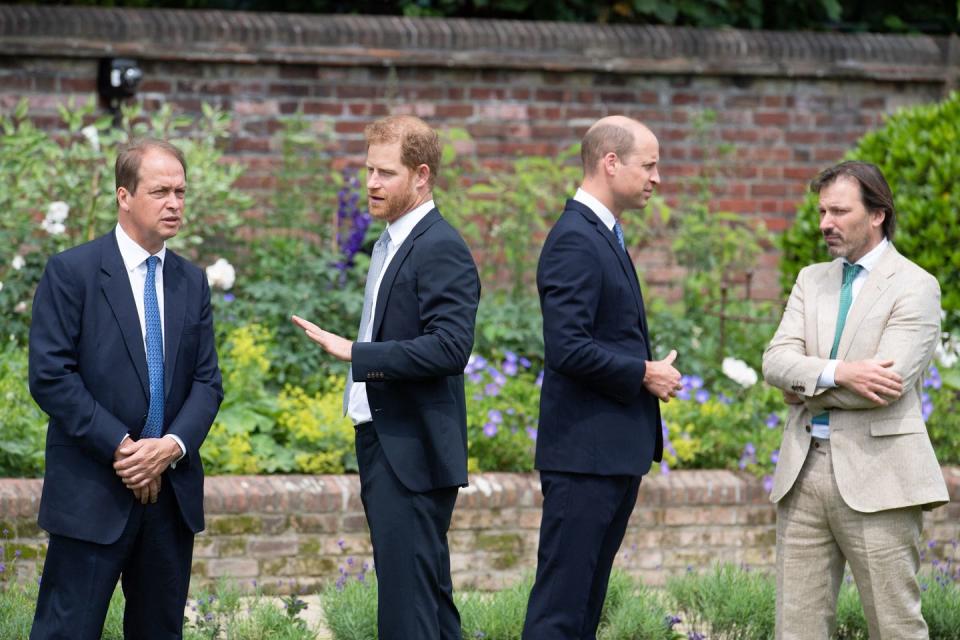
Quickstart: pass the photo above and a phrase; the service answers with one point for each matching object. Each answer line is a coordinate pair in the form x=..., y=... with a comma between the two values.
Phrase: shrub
x=917, y=151
x=729, y=601
x=23, y=425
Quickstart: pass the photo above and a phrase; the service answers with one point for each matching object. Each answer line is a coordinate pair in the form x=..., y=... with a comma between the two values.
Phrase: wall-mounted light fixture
x=117, y=80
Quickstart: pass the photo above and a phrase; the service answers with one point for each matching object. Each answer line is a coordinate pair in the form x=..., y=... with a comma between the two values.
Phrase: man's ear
x=609, y=162
x=122, y=196
x=423, y=176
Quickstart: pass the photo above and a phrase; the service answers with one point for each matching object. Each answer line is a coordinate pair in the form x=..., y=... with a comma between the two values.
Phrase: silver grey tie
x=377, y=258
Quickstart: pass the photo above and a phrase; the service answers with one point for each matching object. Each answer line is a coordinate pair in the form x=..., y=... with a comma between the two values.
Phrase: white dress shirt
x=606, y=216
x=135, y=260
x=359, y=407
x=827, y=378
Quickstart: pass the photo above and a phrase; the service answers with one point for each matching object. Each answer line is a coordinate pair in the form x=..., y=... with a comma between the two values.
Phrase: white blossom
x=1, y=286
x=948, y=350
x=92, y=135
x=58, y=211
x=739, y=371
x=18, y=262
x=21, y=307
x=221, y=274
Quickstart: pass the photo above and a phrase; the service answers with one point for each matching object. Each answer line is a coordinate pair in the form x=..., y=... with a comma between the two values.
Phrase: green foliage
x=727, y=601
x=917, y=151
x=60, y=190
x=495, y=616
x=259, y=431
x=931, y=16
x=851, y=622
x=503, y=404
x=23, y=425
x=350, y=609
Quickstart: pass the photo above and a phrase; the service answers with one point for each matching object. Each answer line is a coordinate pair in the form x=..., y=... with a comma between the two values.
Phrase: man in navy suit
x=405, y=392
x=122, y=359
x=599, y=411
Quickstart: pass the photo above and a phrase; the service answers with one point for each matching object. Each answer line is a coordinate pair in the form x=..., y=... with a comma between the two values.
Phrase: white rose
x=221, y=274
x=21, y=307
x=18, y=262
x=53, y=228
x=739, y=371
x=57, y=211
x=92, y=135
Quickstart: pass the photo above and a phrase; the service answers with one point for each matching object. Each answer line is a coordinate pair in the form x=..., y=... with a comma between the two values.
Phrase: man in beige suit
x=856, y=465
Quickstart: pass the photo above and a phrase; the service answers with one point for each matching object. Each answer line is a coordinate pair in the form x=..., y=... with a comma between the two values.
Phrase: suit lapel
x=873, y=288
x=173, y=312
x=828, y=304
x=115, y=284
x=386, y=284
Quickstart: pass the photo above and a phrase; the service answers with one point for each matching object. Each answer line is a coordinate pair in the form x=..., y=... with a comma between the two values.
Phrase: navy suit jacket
x=596, y=416
x=88, y=372
x=422, y=336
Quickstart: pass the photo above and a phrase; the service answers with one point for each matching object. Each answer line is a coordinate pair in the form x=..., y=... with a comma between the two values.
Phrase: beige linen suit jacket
x=882, y=456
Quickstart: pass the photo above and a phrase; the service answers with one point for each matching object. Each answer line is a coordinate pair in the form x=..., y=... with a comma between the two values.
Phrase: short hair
x=127, y=168
x=875, y=193
x=601, y=140
x=419, y=143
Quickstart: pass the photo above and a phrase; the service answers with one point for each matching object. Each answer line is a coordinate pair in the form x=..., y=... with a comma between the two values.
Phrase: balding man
x=599, y=410
x=405, y=393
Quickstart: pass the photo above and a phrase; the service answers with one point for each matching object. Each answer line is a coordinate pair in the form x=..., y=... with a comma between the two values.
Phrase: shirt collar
x=132, y=253
x=606, y=216
x=400, y=228
x=871, y=258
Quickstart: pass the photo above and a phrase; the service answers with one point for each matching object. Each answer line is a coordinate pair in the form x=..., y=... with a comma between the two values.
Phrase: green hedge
x=918, y=150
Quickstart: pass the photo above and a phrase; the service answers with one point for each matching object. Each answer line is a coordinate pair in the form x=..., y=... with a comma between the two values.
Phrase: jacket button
x=807, y=428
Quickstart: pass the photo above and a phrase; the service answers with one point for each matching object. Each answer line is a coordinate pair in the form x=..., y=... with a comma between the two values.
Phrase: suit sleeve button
x=807, y=428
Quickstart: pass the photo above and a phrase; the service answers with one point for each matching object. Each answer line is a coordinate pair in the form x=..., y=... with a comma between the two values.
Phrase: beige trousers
x=817, y=533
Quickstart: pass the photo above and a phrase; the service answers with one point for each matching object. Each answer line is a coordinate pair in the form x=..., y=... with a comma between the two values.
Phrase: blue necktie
x=377, y=259
x=618, y=231
x=153, y=428
x=850, y=272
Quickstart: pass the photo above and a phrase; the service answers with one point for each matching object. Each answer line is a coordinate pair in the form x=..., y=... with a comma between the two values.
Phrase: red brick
x=317, y=107
x=454, y=111
x=771, y=118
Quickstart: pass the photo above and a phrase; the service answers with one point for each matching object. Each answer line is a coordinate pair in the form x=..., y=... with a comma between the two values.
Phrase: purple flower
x=664, y=467
x=511, y=411
x=495, y=416
x=724, y=399
x=532, y=433
x=926, y=406
x=475, y=377
x=775, y=456
x=229, y=297
x=683, y=394
x=702, y=396
x=932, y=378
x=772, y=420
x=664, y=429
x=768, y=483
x=3, y=567
x=492, y=389
x=341, y=543
x=510, y=356
x=490, y=429
x=510, y=368
x=672, y=621
x=524, y=363
x=539, y=381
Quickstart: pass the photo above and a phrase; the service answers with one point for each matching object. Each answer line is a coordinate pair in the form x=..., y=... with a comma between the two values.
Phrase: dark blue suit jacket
x=422, y=337
x=88, y=372
x=596, y=416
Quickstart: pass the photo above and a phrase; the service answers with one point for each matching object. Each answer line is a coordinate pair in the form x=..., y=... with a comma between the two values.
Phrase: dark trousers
x=584, y=520
x=409, y=535
x=152, y=559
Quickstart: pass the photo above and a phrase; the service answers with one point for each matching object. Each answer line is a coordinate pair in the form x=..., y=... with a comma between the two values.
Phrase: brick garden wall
x=789, y=103
x=293, y=532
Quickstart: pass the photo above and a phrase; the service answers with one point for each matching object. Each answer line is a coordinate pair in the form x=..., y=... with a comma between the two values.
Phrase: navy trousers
x=584, y=520
x=410, y=554
x=152, y=560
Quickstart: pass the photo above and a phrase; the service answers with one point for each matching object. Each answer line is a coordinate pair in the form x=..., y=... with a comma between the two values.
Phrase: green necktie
x=850, y=272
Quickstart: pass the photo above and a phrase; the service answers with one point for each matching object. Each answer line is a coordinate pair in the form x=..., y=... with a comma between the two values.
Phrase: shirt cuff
x=826, y=379
x=183, y=449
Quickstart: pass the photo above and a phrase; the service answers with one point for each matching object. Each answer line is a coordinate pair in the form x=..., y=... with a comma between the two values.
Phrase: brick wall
x=293, y=532
x=789, y=103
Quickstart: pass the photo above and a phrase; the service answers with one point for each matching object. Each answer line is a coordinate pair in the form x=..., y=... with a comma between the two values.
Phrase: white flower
x=57, y=211
x=740, y=372
x=18, y=262
x=1, y=286
x=221, y=274
x=53, y=228
x=92, y=135
x=948, y=350
x=21, y=307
